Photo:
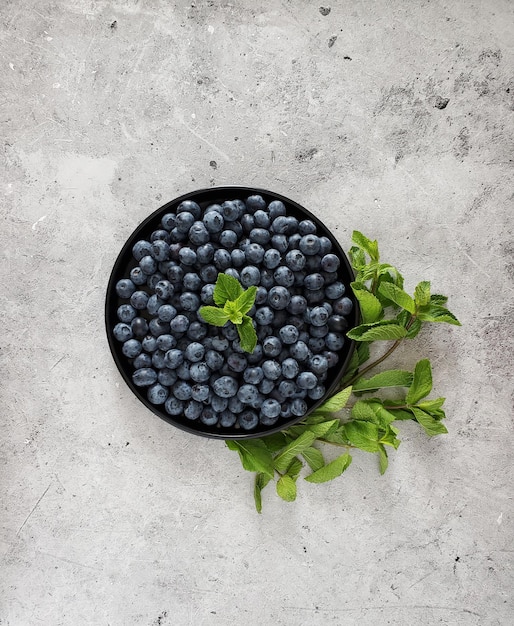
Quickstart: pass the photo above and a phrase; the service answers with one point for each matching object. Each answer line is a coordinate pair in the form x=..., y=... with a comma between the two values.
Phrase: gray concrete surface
x=108, y=109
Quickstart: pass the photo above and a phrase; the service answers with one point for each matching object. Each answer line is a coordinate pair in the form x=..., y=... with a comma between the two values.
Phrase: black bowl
x=125, y=262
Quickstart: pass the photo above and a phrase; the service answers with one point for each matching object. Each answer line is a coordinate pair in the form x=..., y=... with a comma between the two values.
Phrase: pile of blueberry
x=200, y=371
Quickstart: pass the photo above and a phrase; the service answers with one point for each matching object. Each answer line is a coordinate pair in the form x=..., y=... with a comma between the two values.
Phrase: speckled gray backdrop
x=391, y=117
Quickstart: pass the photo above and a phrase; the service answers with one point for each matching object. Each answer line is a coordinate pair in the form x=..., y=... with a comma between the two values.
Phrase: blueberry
x=279, y=242
x=288, y=334
x=271, y=346
x=175, y=237
x=271, y=258
x=193, y=410
x=316, y=344
x=335, y=290
x=213, y=221
x=206, y=294
x=318, y=364
x=262, y=294
x=218, y=403
x=300, y=351
x=306, y=380
x=149, y=343
x=158, y=234
x=319, y=331
x=137, y=276
x=225, y=387
x=290, y=368
x=174, y=406
x=247, y=393
x=262, y=219
x=154, y=304
x=183, y=371
x=294, y=241
x=167, y=377
x=139, y=326
x=256, y=356
x=283, y=276
x=248, y=420
x=175, y=274
x=337, y=323
x=132, y=348
x=157, y=394
x=191, y=206
x=160, y=250
x=200, y=372
x=125, y=288
x=271, y=369
x=318, y=316
x=298, y=407
x=334, y=342
x=205, y=253
x=154, y=279
x=141, y=248
x=209, y=273
x=231, y=210
x=264, y=316
x=230, y=332
x=281, y=318
x=267, y=280
x=307, y=227
x=254, y=253
x=266, y=386
x=314, y=281
x=187, y=256
x=297, y=305
x=222, y=259
x=200, y=392
x=260, y=236
x=344, y=306
x=263, y=332
x=194, y=352
x=198, y=234
x=209, y=417
x=278, y=297
x=189, y=301
x=142, y=361
x=182, y=390
x=280, y=225
x=148, y=264
x=315, y=296
x=270, y=408
x=168, y=221
x=158, y=359
x=144, y=377
x=214, y=360
x=139, y=300
x=310, y=244
x=287, y=388
x=250, y=275
x=196, y=331
x=184, y=221
x=295, y=260
x=317, y=392
x=227, y=419
x=179, y=324
x=228, y=239
x=253, y=375
x=219, y=343
x=237, y=362
x=173, y=358
x=285, y=410
x=255, y=203
x=276, y=208
x=330, y=263
x=238, y=257
x=126, y=313
x=247, y=223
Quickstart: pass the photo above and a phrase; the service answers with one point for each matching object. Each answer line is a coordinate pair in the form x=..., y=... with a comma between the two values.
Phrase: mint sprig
x=347, y=419
x=233, y=302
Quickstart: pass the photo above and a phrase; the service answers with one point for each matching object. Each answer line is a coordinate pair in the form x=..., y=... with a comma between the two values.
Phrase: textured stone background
x=108, y=109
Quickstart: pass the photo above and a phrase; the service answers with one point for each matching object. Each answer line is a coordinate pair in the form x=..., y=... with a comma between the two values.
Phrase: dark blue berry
x=157, y=394
x=174, y=406
x=144, y=377
x=198, y=234
x=191, y=206
x=193, y=410
x=125, y=288
x=139, y=326
x=344, y=306
x=290, y=368
x=126, y=313
x=132, y=348
x=248, y=420
x=137, y=276
x=278, y=297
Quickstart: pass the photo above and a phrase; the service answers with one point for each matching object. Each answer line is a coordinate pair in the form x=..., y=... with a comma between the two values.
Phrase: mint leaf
x=431, y=405
x=255, y=456
x=398, y=296
x=213, y=315
x=382, y=331
x=384, y=462
x=389, y=378
x=335, y=402
x=296, y=447
x=331, y=470
x=227, y=288
x=318, y=430
x=234, y=315
x=371, y=309
x=414, y=329
x=421, y=383
x=357, y=258
x=422, y=293
x=365, y=410
x=362, y=435
x=437, y=298
x=437, y=313
x=371, y=247
x=247, y=334
x=432, y=426
x=275, y=442
x=389, y=438
x=261, y=480
x=246, y=300
x=314, y=458
x=286, y=488
x=294, y=468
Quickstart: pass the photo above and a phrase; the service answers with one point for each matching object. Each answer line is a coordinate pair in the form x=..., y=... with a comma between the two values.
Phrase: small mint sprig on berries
x=233, y=302
x=349, y=419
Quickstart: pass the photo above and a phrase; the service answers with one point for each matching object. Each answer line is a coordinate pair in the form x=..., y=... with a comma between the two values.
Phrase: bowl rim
x=114, y=346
